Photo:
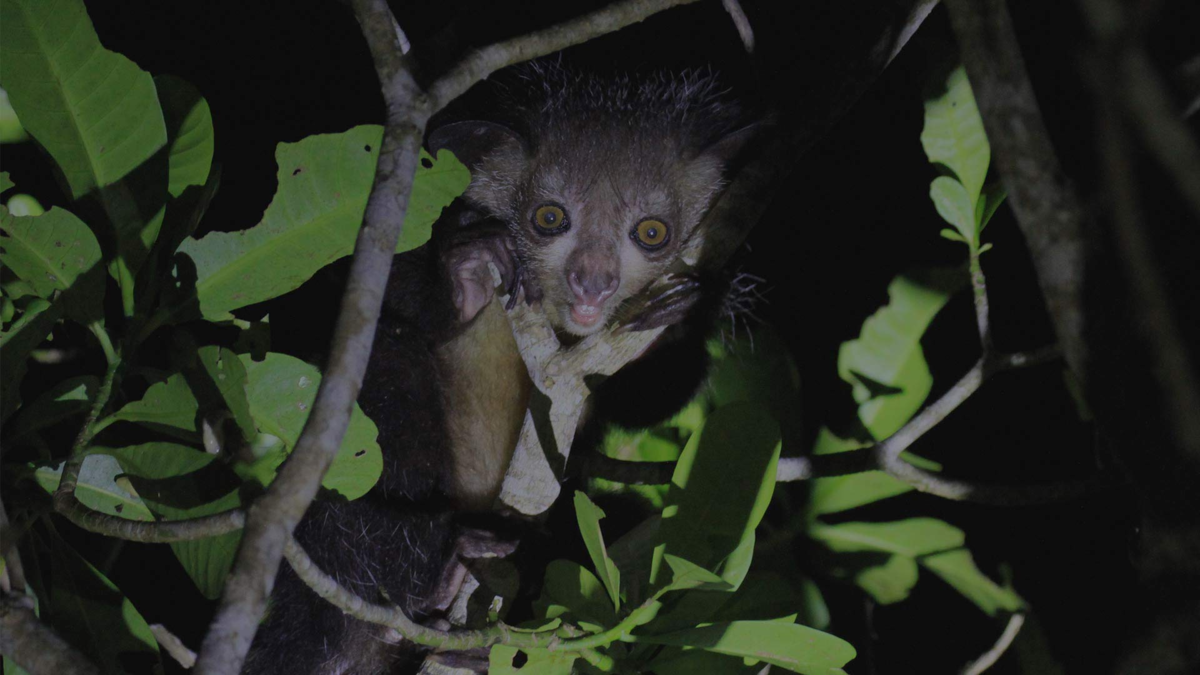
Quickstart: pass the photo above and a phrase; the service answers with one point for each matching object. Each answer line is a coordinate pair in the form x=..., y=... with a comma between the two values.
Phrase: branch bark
x=1048, y=211
x=33, y=646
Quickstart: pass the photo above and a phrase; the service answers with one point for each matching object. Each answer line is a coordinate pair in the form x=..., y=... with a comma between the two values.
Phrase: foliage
x=199, y=432
x=113, y=270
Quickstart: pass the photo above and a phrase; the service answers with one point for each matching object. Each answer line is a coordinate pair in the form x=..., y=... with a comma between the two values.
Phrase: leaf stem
x=979, y=291
x=70, y=475
x=110, y=354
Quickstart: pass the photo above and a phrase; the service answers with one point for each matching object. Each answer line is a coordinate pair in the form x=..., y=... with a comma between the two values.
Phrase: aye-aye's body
x=582, y=194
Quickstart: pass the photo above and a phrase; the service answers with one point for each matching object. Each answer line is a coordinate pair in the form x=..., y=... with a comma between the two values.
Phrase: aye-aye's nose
x=594, y=286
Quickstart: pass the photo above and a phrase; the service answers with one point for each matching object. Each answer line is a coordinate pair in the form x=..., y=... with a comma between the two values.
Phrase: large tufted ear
x=729, y=147
x=473, y=140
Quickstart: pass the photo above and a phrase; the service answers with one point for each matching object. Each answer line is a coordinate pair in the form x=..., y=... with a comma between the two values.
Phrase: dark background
x=856, y=213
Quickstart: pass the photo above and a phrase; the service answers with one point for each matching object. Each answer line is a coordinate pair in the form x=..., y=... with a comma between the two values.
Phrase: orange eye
x=651, y=234
x=550, y=219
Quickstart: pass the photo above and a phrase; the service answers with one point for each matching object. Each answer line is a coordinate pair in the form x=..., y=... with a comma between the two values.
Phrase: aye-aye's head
x=600, y=181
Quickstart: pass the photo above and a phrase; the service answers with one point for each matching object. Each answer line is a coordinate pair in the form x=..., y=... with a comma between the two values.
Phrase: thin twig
x=738, y=15
x=886, y=456
x=70, y=473
x=173, y=645
x=34, y=646
x=482, y=63
x=991, y=656
x=979, y=293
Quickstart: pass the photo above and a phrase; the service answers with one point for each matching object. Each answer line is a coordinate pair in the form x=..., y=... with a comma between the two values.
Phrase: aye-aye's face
x=597, y=222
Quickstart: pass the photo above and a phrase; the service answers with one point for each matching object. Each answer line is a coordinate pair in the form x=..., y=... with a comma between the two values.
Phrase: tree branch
x=991, y=656
x=481, y=64
x=886, y=456
x=1048, y=211
x=36, y=648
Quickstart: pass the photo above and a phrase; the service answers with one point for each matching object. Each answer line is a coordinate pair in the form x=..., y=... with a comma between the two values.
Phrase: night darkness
x=857, y=213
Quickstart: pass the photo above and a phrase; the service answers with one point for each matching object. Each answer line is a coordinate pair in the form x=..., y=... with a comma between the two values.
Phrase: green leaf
x=588, y=515
x=797, y=648
x=958, y=569
x=189, y=130
x=207, y=561
x=56, y=253
x=990, y=200
x=887, y=355
x=674, y=661
x=178, y=482
x=690, y=576
x=94, y=110
x=911, y=537
x=21, y=338
x=842, y=493
x=70, y=397
x=434, y=187
x=11, y=130
x=88, y=611
x=952, y=235
x=890, y=582
x=166, y=406
x=5, y=182
x=281, y=390
x=721, y=487
x=225, y=370
x=540, y=661
x=324, y=182
x=954, y=136
x=98, y=488
x=24, y=205
x=954, y=206
x=575, y=589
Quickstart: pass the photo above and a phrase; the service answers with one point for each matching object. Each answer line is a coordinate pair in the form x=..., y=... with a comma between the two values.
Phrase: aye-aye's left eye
x=651, y=234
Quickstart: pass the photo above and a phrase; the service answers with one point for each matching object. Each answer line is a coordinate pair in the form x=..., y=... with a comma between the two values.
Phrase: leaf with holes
x=954, y=135
x=56, y=253
x=313, y=220
x=100, y=487
x=281, y=390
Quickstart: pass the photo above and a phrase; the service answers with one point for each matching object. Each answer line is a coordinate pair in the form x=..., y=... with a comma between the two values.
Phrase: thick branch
x=36, y=648
x=270, y=521
x=1046, y=206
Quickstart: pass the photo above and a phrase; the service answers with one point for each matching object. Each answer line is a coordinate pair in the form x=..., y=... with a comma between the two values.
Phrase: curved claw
x=670, y=306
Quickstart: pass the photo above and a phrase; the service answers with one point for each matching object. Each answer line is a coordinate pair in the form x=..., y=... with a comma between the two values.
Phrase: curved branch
x=482, y=63
x=163, y=531
x=991, y=656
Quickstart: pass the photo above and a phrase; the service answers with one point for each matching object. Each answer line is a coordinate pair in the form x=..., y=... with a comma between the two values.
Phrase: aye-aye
x=583, y=191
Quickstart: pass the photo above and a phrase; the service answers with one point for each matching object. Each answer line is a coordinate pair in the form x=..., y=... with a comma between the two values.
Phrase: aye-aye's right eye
x=550, y=219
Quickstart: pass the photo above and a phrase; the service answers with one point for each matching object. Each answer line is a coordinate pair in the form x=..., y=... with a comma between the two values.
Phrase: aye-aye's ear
x=728, y=147
x=473, y=140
